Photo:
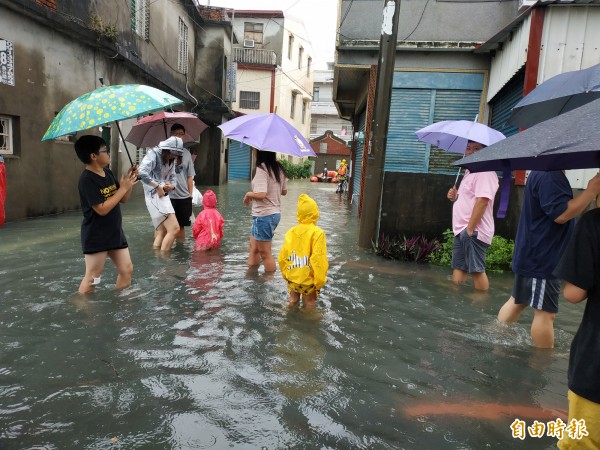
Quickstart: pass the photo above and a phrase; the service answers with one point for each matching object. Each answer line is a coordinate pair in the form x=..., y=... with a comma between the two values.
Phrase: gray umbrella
x=557, y=95
x=568, y=141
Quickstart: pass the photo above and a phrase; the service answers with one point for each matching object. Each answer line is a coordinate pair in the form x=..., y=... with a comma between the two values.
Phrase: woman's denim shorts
x=263, y=227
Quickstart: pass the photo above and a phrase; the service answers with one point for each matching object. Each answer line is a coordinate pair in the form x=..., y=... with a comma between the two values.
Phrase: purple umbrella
x=453, y=135
x=267, y=131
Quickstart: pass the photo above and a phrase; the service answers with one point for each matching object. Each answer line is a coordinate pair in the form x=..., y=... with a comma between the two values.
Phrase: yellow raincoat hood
x=303, y=256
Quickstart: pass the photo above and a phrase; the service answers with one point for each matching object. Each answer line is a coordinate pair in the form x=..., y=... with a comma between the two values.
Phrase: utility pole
x=369, y=220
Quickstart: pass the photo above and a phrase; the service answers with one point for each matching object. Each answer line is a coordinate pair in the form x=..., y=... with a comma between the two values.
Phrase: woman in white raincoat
x=157, y=172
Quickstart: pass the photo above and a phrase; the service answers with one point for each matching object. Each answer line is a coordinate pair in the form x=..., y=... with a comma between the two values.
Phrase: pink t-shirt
x=474, y=185
x=262, y=182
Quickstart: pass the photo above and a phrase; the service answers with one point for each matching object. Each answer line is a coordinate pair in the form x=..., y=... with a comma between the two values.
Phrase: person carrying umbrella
x=181, y=197
x=472, y=223
x=544, y=230
x=268, y=185
x=157, y=172
x=101, y=230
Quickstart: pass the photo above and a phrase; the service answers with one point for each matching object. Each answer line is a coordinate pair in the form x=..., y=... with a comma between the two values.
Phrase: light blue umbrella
x=107, y=104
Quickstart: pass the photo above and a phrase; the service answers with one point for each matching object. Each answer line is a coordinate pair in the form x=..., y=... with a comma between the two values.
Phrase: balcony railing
x=254, y=56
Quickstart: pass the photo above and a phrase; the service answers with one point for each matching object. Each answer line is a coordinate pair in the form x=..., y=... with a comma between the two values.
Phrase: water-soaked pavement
x=200, y=353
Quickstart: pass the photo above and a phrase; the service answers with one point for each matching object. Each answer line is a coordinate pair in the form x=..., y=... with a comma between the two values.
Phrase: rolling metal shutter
x=503, y=103
x=239, y=161
x=409, y=111
x=451, y=105
x=360, y=147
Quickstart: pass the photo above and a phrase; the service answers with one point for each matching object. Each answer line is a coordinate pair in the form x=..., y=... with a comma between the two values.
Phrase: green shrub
x=416, y=248
x=295, y=171
x=498, y=258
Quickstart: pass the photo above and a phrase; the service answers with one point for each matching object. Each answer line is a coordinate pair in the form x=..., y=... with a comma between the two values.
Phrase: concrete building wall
x=57, y=60
x=252, y=79
x=421, y=20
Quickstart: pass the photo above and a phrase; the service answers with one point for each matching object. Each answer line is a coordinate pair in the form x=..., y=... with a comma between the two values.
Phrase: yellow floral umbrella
x=107, y=104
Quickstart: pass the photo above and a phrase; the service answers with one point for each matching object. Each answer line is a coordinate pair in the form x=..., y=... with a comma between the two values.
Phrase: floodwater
x=200, y=353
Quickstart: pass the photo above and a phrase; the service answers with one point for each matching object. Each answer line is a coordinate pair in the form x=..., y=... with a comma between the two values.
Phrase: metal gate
x=239, y=161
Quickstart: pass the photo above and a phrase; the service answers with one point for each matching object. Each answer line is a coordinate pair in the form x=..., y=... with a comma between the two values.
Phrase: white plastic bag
x=196, y=197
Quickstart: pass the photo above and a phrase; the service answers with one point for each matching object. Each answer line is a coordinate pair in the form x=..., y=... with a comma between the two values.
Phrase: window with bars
x=300, y=53
x=322, y=147
x=249, y=100
x=293, y=110
x=290, y=46
x=304, y=107
x=182, y=59
x=316, y=94
x=140, y=18
x=6, y=136
x=254, y=31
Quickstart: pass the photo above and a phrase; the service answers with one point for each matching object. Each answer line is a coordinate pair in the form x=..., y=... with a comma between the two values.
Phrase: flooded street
x=201, y=353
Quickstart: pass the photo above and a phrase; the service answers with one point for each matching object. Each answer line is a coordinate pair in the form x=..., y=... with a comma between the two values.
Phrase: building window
x=140, y=18
x=323, y=147
x=249, y=100
x=6, y=136
x=304, y=107
x=290, y=46
x=313, y=126
x=316, y=94
x=300, y=53
x=182, y=59
x=253, y=32
x=292, y=111
x=308, y=64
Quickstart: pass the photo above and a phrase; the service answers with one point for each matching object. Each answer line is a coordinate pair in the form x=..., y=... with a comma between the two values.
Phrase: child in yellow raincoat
x=303, y=257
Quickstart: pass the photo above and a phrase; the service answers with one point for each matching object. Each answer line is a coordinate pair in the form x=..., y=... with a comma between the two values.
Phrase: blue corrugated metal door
x=451, y=105
x=357, y=169
x=239, y=161
x=409, y=111
x=504, y=101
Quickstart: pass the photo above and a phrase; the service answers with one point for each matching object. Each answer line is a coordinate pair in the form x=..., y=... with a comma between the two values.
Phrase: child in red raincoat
x=208, y=226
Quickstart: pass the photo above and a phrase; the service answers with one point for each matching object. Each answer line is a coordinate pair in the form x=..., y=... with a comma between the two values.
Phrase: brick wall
x=334, y=147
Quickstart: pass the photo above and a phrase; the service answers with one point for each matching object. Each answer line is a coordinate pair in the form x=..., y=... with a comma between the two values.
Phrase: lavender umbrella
x=453, y=135
x=267, y=131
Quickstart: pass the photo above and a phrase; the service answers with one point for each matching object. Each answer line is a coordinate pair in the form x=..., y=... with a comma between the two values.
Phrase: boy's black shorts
x=183, y=210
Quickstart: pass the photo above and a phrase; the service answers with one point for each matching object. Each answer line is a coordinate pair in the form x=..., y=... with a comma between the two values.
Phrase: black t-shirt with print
x=580, y=266
x=99, y=233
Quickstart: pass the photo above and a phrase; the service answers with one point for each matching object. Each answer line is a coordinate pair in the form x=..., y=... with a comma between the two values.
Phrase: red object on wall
x=2, y=192
x=47, y=3
x=532, y=66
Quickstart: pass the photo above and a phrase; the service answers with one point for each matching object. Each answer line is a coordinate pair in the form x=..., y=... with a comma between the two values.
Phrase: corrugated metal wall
x=451, y=105
x=507, y=62
x=360, y=149
x=409, y=112
x=502, y=104
x=239, y=161
x=419, y=99
x=570, y=40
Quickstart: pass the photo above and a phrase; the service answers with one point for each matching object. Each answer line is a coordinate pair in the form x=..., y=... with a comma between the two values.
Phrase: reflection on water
x=200, y=352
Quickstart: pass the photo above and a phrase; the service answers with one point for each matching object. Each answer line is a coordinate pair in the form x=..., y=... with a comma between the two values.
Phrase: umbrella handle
x=124, y=143
x=457, y=175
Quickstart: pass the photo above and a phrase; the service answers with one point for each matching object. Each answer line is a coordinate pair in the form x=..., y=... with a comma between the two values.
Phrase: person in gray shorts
x=181, y=196
x=544, y=230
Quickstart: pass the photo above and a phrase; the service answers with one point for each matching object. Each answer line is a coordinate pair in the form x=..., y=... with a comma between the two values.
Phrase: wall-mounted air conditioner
x=249, y=43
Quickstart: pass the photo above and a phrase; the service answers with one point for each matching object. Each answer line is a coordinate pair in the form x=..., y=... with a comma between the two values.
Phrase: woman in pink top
x=208, y=226
x=268, y=185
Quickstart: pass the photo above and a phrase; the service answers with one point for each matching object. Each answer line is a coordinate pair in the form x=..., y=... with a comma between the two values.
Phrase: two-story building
x=53, y=51
x=273, y=73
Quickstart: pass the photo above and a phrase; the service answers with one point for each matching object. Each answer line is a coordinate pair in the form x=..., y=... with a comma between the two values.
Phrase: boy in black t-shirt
x=580, y=269
x=101, y=232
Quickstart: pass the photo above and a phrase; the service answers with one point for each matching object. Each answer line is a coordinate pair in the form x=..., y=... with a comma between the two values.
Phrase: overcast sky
x=319, y=17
